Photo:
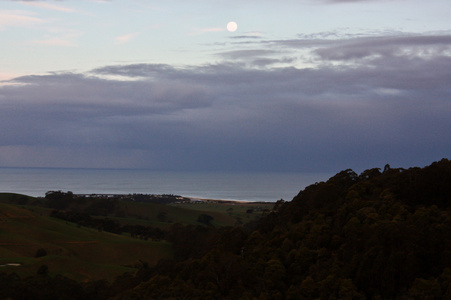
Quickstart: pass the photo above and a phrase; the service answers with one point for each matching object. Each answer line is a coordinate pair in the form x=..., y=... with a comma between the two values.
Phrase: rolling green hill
x=87, y=252
x=73, y=251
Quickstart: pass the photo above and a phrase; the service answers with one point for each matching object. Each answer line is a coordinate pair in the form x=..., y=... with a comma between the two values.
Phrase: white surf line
x=10, y=265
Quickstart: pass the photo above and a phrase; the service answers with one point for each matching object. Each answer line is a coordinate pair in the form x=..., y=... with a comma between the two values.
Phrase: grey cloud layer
x=405, y=46
x=369, y=101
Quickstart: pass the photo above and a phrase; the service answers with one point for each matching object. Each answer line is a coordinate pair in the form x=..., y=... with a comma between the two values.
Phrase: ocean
x=244, y=186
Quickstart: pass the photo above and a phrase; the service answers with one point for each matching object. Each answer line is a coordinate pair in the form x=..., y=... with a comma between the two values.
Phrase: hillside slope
x=76, y=252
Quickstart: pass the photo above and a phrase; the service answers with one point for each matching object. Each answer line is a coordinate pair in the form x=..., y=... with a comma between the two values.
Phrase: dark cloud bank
x=364, y=102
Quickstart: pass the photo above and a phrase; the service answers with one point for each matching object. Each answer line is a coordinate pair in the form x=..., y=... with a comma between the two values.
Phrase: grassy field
x=77, y=252
x=228, y=213
x=223, y=213
x=86, y=254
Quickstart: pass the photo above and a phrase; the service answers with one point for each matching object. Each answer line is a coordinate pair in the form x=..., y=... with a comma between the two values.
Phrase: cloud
x=402, y=46
x=6, y=77
x=17, y=19
x=351, y=49
x=352, y=1
x=48, y=6
x=53, y=36
x=199, y=31
x=236, y=54
x=55, y=42
x=249, y=36
x=257, y=57
x=59, y=37
x=100, y=1
x=36, y=156
x=137, y=70
x=123, y=39
x=366, y=102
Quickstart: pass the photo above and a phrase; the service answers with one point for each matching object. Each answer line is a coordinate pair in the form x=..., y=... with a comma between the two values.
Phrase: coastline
x=221, y=201
x=233, y=186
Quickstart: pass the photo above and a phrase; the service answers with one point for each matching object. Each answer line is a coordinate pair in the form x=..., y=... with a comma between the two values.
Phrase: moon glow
x=232, y=26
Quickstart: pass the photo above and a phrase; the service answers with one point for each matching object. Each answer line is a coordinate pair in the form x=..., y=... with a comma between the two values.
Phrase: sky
x=300, y=86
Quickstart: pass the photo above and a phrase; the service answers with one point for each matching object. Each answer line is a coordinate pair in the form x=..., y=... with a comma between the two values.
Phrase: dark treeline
x=97, y=206
x=109, y=225
x=101, y=204
x=383, y=234
x=164, y=198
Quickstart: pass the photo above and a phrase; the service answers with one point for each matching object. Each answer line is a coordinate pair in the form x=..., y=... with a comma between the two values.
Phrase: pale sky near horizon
x=307, y=85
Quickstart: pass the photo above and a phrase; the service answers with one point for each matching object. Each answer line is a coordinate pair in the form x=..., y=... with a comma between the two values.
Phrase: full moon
x=232, y=26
